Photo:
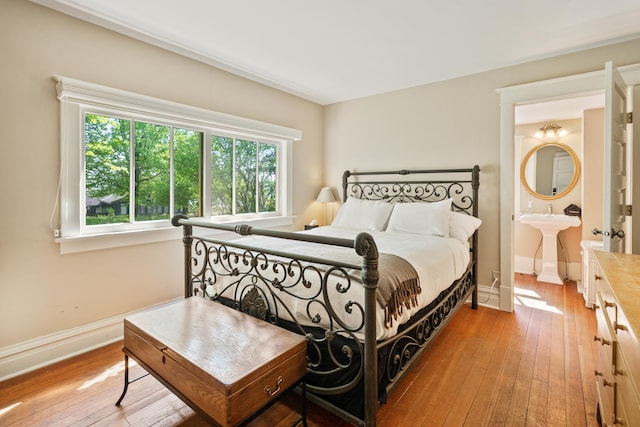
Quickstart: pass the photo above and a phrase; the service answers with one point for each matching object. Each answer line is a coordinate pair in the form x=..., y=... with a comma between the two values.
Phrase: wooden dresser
x=225, y=364
x=618, y=315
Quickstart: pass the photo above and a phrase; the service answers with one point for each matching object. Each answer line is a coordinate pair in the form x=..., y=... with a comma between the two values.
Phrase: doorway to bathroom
x=555, y=141
x=592, y=83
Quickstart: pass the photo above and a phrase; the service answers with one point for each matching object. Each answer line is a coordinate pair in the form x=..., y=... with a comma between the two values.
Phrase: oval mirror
x=549, y=171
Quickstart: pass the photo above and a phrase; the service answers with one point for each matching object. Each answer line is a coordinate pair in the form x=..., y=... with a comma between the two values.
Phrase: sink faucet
x=549, y=211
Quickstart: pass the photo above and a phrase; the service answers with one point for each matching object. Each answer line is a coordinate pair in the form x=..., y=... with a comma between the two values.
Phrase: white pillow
x=462, y=226
x=363, y=214
x=421, y=218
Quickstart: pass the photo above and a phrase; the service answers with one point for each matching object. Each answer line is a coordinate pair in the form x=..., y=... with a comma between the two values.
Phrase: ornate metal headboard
x=461, y=185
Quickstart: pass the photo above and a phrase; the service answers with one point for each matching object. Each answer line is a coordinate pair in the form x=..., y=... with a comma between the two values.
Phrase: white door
x=614, y=226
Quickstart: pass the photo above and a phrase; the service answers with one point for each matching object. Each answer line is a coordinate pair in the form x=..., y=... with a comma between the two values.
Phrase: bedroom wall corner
x=423, y=128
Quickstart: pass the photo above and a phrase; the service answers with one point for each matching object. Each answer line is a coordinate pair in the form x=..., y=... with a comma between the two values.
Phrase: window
x=130, y=167
x=130, y=162
x=243, y=176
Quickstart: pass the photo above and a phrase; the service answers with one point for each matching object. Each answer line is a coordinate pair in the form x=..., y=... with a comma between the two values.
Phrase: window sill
x=76, y=244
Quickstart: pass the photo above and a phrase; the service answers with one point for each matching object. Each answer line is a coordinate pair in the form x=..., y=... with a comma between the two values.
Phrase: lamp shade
x=326, y=195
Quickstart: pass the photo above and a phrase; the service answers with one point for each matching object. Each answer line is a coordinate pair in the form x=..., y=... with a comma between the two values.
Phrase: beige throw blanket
x=398, y=286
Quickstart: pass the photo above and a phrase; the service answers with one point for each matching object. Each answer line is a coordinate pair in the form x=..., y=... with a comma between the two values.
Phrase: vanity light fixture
x=551, y=132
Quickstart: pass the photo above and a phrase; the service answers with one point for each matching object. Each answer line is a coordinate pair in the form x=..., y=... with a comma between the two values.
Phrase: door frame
x=510, y=97
x=617, y=147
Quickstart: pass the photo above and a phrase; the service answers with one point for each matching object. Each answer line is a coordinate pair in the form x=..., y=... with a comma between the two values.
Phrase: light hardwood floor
x=532, y=367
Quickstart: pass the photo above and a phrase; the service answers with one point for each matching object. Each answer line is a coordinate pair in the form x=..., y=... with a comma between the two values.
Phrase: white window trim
x=76, y=95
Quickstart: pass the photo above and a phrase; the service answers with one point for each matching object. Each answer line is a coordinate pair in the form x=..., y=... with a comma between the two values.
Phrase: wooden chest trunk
x=223, y=363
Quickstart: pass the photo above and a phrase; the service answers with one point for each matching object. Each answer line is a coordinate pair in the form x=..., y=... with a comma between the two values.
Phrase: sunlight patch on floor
x=530, y=298
x=8, y=408
x=526, y=292
x=110, y=372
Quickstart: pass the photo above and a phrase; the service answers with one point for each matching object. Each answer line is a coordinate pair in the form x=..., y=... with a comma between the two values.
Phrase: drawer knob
x=267, y=389
x=597, y=373
x=609, y=304
x=597, y=277
x=607, y=383
x=602, y=340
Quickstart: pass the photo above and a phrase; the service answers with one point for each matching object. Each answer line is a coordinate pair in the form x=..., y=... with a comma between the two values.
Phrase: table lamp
x=325, y=196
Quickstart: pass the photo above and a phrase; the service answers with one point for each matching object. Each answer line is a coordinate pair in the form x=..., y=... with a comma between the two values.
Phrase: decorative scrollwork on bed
x=409, y=191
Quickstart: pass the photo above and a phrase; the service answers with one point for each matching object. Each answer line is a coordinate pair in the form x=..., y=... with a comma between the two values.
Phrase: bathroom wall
x=527, y=245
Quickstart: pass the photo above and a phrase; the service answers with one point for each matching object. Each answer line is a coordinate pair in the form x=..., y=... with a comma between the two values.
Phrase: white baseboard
x=30, y=355
x=524, y=265
x=487, y=297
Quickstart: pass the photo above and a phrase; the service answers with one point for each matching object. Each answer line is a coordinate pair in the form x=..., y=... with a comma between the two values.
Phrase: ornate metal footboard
x=268, y=284
x=323, y=299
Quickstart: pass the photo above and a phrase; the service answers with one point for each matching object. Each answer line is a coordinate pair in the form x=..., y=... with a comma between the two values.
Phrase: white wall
x=42, y=293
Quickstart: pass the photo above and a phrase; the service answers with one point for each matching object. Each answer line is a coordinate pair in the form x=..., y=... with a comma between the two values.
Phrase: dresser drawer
x=607, y=340
x=605, y=379
x=605, y=297
x=628, y=406
x=629, y=344
x=606, y=385
x=606, y=389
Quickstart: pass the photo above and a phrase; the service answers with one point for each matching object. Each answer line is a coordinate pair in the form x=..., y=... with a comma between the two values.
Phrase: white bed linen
x=437, y=260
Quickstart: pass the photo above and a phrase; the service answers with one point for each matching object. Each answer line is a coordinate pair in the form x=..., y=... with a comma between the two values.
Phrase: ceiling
x=336, y=50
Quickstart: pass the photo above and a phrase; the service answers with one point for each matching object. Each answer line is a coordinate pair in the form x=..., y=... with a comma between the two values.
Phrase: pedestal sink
x=550, y=225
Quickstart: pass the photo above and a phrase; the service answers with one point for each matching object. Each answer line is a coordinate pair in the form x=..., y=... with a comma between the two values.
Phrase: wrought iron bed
x=350, y=372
